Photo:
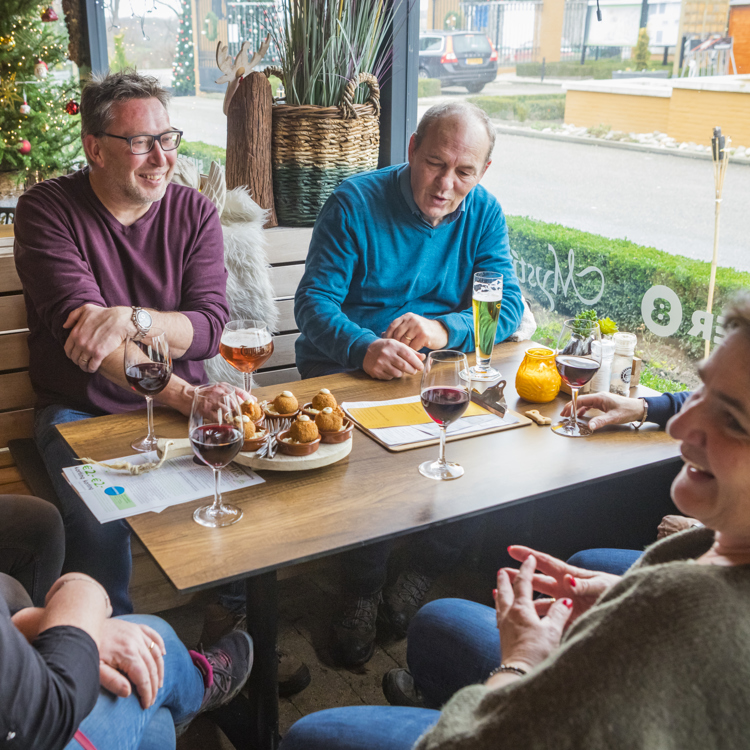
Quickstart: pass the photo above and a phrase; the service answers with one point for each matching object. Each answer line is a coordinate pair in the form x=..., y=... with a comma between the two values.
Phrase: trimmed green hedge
x=573, y=69
x=522, y=108
x=629, y=271
x=428, y=87
x=205, y=151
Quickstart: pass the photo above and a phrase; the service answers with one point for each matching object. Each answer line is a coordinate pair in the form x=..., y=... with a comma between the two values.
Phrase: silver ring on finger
x=150, y=648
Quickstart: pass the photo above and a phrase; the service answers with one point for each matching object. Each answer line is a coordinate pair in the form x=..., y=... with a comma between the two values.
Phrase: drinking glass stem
x=574, y=411
x=441, y=457
x=217, y=491
x=150, y=418
x=248, y=377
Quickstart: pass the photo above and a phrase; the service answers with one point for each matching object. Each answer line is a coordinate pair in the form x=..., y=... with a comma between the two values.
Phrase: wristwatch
x=142, y=322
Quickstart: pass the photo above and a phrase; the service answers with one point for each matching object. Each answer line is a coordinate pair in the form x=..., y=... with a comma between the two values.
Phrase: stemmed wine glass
x=577, y=362
x=246, y=345
x=445, y=397
x=148, y=368
x=216, y=436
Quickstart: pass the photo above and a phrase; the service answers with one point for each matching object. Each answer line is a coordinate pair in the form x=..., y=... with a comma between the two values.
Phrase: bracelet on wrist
x=508, y=668
x=644, y=417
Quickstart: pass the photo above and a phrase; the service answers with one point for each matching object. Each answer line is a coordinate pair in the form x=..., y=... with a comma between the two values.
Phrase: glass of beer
x=486, y=299
x=246, y=345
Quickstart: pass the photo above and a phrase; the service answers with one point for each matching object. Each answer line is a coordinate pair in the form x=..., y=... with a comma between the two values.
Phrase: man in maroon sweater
x=107, y=253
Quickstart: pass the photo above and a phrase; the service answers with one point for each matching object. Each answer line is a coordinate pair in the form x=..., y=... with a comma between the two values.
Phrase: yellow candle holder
x=537, y=379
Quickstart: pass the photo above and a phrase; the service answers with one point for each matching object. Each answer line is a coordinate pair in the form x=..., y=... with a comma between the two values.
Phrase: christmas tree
x=183, y=67
x=38, y=135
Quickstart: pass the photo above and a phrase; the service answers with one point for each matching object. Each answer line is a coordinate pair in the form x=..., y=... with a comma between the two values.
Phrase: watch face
x=144, y=319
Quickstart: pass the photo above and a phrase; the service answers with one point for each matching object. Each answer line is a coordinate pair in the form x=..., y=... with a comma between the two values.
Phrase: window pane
x=471, y=43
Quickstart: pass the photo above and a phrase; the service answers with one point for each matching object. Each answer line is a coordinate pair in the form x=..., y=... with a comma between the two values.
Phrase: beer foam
x=246, y=337
x=488, y=296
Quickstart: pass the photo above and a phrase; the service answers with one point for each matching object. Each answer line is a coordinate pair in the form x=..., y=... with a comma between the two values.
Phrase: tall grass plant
x=324, y=43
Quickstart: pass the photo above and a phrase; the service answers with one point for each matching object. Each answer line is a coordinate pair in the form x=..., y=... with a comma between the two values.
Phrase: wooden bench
x=149, y=589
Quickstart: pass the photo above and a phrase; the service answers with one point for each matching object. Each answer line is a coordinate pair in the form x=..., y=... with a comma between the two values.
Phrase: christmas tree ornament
x=7, y=43
x=49, y=15
x=25, y=109
x=72, y=107
x=24, y=147
x=41, y=70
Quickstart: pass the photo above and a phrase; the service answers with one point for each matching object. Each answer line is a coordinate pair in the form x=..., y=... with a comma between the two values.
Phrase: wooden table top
x=372, y=494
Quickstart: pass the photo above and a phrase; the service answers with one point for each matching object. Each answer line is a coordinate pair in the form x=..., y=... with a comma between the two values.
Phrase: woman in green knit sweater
x=658, y=659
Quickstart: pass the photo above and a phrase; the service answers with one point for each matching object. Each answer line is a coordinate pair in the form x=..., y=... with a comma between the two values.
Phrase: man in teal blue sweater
x=388, y=276
x=390, y=266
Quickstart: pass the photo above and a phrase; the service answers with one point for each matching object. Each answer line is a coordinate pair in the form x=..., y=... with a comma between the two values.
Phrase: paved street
x=653, y=199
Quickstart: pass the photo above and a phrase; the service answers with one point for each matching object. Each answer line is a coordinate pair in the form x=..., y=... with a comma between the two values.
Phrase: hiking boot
x=403, y=599
x=225, y=668
x=293, y=674
x=399, y=689
x=354, y=629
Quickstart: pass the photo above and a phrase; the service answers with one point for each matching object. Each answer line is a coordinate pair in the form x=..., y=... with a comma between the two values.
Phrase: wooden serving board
x=327, y=453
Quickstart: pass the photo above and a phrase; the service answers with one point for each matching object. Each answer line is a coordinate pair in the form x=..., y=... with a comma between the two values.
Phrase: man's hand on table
x=617, y=409
x=387, y=359
x=96, y=333
x=179, y=394
x=418, y=332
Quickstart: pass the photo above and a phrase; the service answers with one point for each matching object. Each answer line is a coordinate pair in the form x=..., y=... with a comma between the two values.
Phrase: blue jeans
x=99, y=550
x=121, y=723
x=615, y=561
x=360, y=728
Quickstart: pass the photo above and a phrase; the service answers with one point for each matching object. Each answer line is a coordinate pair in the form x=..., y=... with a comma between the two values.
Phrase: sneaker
x=354, y=630
x=403, y=599
x=293, y=674
x=399, y=689
x=225, y=668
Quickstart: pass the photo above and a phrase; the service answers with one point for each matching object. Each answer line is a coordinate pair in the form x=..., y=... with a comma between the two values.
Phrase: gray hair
x=103, y=90
x=463, y=110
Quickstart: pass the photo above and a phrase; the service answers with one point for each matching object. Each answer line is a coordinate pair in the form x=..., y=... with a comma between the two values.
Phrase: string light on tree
x=183, y=69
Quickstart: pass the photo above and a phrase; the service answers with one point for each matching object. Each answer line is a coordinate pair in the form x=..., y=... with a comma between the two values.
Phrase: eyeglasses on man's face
x=142, y=144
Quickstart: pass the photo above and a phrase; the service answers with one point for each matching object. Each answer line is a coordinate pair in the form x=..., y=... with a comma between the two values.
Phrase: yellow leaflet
x=401, y=415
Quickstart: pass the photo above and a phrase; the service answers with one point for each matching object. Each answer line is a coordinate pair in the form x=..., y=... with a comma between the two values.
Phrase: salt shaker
x=622, y=363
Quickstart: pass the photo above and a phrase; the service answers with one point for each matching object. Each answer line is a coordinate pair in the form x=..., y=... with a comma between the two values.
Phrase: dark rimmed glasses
x=142, y=144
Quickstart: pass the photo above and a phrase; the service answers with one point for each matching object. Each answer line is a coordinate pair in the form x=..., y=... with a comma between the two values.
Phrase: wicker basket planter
x=314, y=148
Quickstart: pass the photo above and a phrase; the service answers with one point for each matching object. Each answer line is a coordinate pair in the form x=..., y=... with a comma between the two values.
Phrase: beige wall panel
x=632, y=114
x=694, y=114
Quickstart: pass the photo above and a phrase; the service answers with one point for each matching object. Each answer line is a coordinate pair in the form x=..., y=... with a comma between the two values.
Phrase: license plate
x=474, y=61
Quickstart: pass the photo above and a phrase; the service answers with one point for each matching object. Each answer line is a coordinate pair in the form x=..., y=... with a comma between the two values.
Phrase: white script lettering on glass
x=662, y=313
x=536, y=276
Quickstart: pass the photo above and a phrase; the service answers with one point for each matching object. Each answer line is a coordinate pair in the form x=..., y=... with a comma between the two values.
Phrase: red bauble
x=72, y=107
x=24, y=147
x=49, y=15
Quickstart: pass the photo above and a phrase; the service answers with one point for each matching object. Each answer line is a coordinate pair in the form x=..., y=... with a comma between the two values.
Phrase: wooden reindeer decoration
x=248, y=110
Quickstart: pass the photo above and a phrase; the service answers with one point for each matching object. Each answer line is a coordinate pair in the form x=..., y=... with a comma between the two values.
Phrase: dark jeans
x=99, y=550
x=432, y=552
x=32, y=547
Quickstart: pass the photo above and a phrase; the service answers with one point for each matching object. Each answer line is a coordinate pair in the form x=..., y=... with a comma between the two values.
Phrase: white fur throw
x=249, y=289
x=527, y=326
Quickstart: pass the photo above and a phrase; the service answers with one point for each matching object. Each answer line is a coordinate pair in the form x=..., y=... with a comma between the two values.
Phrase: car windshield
x=471, y=43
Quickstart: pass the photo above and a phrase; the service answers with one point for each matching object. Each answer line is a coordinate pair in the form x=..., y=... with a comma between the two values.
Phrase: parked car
x=458, y=58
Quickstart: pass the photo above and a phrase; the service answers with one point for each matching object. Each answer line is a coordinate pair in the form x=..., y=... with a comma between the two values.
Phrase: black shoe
x=403, y=599
x=225, y=668
x=231, y=660
x=293, y=676
x=399, y=689
x=354, y=630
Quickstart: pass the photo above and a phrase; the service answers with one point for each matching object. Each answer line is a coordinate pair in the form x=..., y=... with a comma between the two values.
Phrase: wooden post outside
x=249, y=122
x=550, y=33
x=196, y=47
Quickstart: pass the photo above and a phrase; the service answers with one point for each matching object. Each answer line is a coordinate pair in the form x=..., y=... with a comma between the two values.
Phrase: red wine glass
x=577, y=362
x=216, y=436
x=445, y=397
x=148, y=368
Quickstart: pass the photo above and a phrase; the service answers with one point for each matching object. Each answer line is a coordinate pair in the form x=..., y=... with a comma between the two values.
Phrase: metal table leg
x=254, y=724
